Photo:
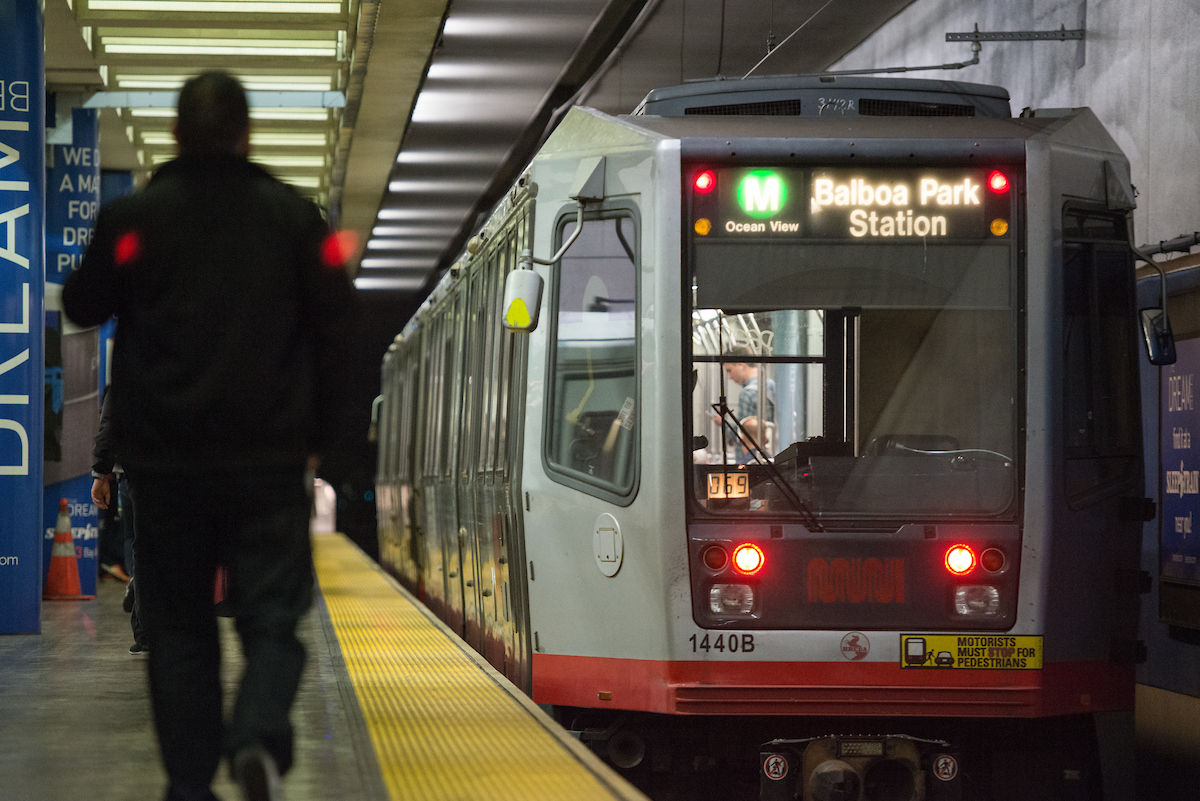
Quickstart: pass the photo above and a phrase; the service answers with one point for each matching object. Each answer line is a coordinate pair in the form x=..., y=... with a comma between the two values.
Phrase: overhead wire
x=789, y=36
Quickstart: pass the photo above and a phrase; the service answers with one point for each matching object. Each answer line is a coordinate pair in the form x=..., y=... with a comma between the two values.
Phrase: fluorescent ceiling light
x=413, y=230
x=477, y=157
x=526, y=27
x=461, y=186
x=389, y=283
x=427, y=213
x=264, y=83
x=137, y=45
x=273, y=139
x=260, y=83
x=289, y=161
x=406, y=244
x=224, y=6
x=490, y=71
x=469, y=106
x=297, y=114
x=396, y=262
x=257, y=139
x=301, y=181
x=292, y=114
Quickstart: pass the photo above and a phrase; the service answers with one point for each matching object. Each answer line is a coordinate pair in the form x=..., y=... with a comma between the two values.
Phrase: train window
x=591, y=427
x=874, y=380
x=473, y=378
x=432, y=370
x=495, y=333
x=447, y=424
x=1100, y=413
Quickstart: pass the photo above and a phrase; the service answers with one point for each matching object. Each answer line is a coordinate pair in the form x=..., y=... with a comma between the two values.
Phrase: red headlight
x=960, y=559
x=706, y=182
x=998, y=182
x=748, y=559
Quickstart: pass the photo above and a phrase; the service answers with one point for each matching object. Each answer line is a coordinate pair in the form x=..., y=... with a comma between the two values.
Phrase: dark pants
x=112, y=541
x=258, y=527
x=128, y=523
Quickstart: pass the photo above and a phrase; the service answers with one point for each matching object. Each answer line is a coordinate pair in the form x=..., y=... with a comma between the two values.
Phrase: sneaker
x=116, y=572
x=127, y=604
x=139, y=648
x=256, y=773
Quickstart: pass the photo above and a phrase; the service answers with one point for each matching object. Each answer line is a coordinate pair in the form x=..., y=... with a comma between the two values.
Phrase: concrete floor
x=75, y=714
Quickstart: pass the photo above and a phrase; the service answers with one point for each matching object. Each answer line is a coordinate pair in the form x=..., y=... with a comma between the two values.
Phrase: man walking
x=234, y=327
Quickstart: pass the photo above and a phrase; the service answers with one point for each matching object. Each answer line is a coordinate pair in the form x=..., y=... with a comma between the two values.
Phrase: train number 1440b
x=733, y=643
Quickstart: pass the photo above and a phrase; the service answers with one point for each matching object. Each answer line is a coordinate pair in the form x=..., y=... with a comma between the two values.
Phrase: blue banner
x=1179, y=540
x=72, y=195
x=22, y=273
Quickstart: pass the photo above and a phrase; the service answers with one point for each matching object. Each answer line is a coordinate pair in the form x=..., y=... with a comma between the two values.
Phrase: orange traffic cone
x=62, y=582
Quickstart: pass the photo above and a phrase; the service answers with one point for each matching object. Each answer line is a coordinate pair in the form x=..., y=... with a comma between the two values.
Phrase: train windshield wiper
x=807, y=516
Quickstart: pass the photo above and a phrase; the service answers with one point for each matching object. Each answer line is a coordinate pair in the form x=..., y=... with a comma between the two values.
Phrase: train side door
x=466, y=473
x=435, y=368
x=510, y=356
x=447, y=445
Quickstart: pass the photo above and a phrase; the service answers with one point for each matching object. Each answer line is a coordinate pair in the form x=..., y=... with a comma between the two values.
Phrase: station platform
x=392, y=706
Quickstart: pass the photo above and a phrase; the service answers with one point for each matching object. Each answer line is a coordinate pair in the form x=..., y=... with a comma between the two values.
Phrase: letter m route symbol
x=762, y=196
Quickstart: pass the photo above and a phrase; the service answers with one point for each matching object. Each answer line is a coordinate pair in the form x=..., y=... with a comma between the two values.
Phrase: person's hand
x=101, y=492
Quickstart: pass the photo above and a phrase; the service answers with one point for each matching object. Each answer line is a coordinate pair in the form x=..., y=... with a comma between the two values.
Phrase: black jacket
x=235, y=319
x=104, y=448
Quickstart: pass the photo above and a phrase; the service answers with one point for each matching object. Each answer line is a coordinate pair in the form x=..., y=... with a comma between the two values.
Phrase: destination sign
x=866, y=205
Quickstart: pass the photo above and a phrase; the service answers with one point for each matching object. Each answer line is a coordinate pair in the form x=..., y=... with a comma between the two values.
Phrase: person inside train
x=747, y=410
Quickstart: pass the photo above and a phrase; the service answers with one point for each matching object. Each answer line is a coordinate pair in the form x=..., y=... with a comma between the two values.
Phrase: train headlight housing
x=960, y=560
x=731, y=599
x=714, y=557
x=748, y=559
x=977, y=600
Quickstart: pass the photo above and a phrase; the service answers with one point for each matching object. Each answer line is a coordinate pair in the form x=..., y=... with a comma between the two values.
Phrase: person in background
x=105, y=474
x=746, y=376
x=235, y=329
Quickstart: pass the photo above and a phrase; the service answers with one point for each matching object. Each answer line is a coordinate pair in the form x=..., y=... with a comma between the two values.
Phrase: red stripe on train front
x=828, y=688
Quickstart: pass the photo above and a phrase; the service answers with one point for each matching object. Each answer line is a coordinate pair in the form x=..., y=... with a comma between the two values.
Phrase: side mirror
x=1156, y=331
x=522, y=300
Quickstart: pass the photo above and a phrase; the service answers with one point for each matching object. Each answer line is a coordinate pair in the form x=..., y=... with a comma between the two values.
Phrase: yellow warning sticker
x=970, y=652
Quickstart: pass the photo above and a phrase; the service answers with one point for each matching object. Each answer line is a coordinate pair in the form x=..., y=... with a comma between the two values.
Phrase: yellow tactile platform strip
x=444, y=723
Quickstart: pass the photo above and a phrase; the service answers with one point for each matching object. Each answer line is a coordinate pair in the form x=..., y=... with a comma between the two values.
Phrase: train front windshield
x=857, y=373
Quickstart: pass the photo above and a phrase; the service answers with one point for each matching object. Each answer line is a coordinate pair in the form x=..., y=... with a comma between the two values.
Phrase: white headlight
x=979, y=600
x=731, y=599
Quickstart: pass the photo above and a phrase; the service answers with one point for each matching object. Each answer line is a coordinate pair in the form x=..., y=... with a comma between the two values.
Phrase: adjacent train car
x=821, y=459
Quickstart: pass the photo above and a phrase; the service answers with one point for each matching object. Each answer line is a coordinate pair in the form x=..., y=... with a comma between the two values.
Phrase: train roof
x=751, y=137
x=823, y=95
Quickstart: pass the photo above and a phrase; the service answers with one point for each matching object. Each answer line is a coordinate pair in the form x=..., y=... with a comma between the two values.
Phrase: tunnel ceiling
x=420, y=113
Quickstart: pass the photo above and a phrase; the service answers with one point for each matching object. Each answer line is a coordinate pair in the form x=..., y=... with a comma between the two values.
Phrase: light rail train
x=817, y=462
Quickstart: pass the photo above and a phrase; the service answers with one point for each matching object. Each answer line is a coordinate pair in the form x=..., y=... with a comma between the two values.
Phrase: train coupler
x=859, y=768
